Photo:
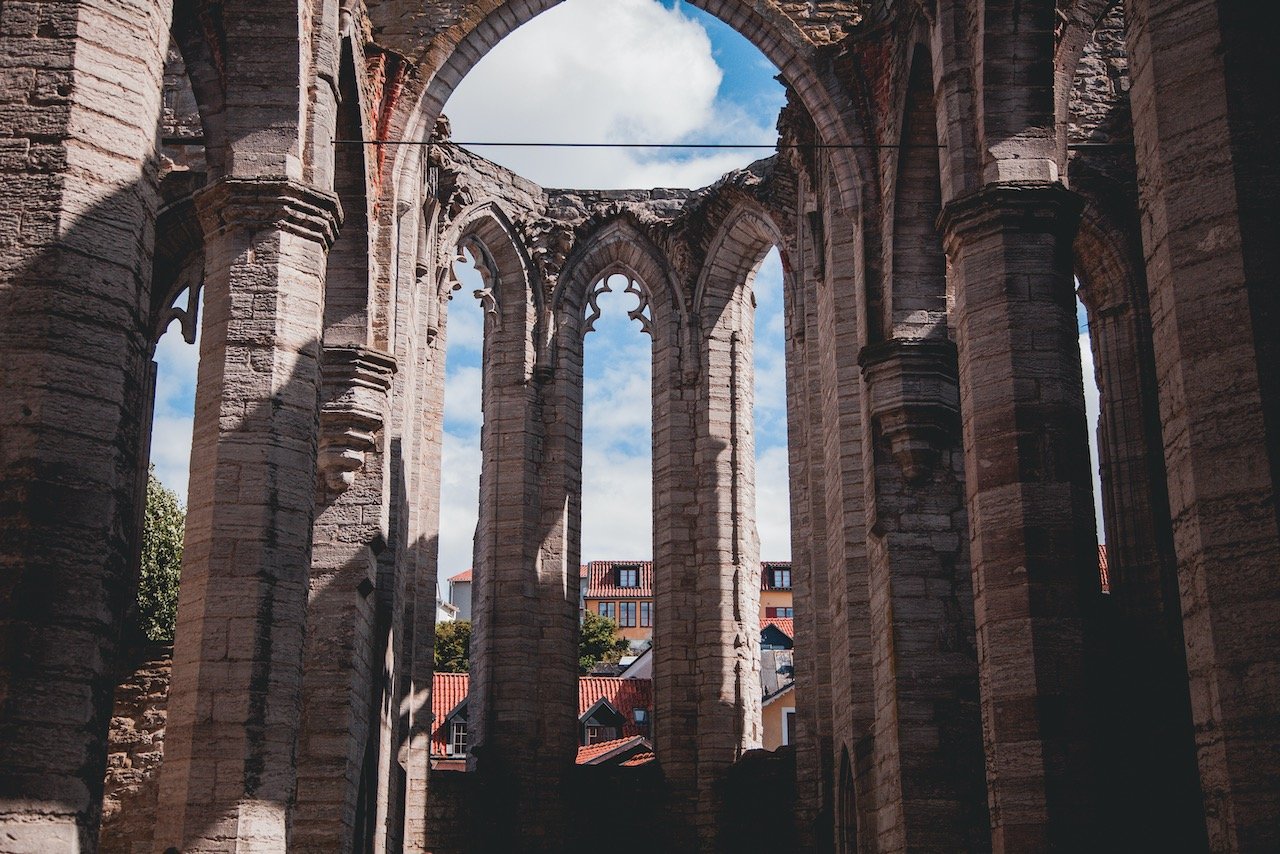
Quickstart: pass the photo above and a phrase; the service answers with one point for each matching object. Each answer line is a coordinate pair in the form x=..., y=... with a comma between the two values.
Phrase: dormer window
x=458, y=738
x=628, y=576
x=782, y=578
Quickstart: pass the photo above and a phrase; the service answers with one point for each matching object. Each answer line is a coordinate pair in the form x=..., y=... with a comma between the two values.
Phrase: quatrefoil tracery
x=640, y=313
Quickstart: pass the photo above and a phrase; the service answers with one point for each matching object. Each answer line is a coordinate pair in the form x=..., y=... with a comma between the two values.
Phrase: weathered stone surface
x=949, y=621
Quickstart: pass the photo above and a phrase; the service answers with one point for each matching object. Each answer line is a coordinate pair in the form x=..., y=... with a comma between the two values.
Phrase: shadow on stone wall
x=135, y=748
x=622, y=810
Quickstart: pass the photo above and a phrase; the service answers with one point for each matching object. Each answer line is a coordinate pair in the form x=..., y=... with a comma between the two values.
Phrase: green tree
x=161, y=561
x=453, y=646
x=598, y=642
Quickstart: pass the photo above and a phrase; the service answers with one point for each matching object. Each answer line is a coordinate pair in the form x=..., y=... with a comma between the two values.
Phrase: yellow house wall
x=772, y=718
x=634, y=633
x=774, y=599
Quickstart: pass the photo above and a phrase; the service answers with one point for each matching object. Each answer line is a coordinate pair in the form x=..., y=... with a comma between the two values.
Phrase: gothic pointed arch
x=617, y=246
x=733, y=257
x=917, y=280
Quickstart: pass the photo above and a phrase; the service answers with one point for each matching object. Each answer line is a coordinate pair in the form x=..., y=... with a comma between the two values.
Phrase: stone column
x=79, y=102
x=675, y=585
x=1033, y=545
x=928, y=742
x=350, y=531
x=726, y=640
x=1151, y=782
x=1203, y=76
x=523, y=702
x=228, y=780
x=812, y=654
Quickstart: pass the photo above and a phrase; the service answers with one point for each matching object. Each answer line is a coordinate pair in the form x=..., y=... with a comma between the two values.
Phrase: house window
x=458, y=739
x=606, y=609
x=782, y=578
x=646, y=614
x=627, y=614
x=628, y=576
x=785, y=613
x=597, y=734
x=788, y=726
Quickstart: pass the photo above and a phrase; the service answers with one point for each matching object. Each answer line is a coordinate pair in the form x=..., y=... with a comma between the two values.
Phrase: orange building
x=775, y=590
x=622, y=591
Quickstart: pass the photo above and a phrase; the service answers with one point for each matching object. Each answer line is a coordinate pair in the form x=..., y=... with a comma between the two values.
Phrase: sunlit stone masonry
x=950, y=176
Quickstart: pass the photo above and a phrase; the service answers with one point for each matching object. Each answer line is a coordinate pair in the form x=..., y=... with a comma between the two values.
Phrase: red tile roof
x=602, y=580
x=766, y=576
x=594, y=753
x=638, y=759
x=447, y=691
x=465, y=575
x=786, y=625
x=1103, y=570
x=625, y=695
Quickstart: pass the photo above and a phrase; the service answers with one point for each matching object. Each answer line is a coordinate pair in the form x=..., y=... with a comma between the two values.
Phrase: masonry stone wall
x=962, y=680
x=135, y=749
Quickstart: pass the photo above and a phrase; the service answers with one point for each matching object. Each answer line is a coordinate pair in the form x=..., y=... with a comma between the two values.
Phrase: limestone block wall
x=135, y=749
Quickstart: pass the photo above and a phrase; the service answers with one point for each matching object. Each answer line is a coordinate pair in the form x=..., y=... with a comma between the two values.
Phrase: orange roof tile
x=786, y=625
x=1104, y=572
x=602, y=580
x=465, y=575
x=625, y=695
x=639, y=759
x=447, y=691
x=594, y=751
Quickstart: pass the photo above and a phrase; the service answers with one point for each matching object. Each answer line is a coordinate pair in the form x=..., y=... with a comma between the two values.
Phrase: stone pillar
x=79, y=103
x=928, y=730
x=839, y=397
x=350, y=531
x=812, y=654
x=522, y=709
x=1204, y=129
x=725, y=644
x=675, y=582
x=1151, y=782
x=228, y=780
x=1030, y=507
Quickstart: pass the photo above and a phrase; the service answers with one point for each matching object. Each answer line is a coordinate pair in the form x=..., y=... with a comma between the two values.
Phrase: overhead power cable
x=1075, y=146
x=710, y=145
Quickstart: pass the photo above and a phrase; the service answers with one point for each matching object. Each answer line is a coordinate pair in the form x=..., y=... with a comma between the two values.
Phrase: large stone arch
x=447, y=47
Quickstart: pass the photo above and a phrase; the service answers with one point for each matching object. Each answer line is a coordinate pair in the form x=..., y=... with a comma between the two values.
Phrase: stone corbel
x=914, y=400
x=356, y=383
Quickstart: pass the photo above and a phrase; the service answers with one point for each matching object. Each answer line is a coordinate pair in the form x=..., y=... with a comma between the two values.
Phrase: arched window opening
x=1093, y=411
x=674, y=74
x=617, y=457
x=773, y=516
x=461, y=455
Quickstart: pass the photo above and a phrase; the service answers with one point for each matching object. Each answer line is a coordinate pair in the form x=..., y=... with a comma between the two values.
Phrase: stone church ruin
x=950, y=173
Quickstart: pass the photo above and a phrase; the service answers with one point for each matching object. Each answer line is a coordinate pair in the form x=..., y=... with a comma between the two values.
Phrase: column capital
x=913, y=397
x=266, y=203
x=355, y=383
x=1046, y=207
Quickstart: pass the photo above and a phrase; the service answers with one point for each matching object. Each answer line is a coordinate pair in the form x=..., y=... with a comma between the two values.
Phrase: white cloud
x=462, y=398
x=460, y=502
x=1092, y=408
x=177, y=363
x=773, y=504
x=617, y=505
x=622, y=71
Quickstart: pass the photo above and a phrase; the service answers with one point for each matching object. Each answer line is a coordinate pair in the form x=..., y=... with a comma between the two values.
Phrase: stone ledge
x=269, y=203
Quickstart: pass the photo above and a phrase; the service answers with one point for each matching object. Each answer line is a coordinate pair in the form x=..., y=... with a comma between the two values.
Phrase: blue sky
x=622, y=71
x=610, y=71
